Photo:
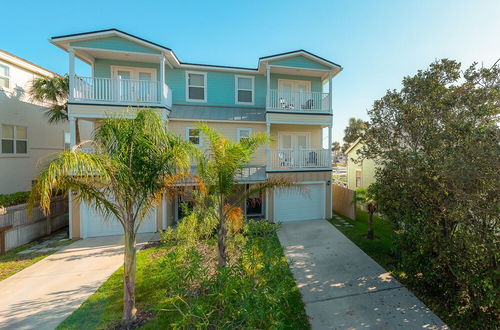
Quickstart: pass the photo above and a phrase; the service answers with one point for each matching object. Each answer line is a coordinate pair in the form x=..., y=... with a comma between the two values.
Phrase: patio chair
x=308, y=105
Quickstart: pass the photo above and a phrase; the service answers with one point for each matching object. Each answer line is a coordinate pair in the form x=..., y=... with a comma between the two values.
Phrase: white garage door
x=293, y=205
x=95, y=225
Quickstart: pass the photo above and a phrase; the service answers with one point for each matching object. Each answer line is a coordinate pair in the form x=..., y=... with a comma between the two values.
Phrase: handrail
x=299, y=158
x=289, y=101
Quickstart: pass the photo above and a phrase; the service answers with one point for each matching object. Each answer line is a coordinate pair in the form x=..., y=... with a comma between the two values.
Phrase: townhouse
x=287, y=95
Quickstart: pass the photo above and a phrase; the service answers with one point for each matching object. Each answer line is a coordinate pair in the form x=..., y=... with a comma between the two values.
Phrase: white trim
x=19, y=62
x=7, y=77
x=298, y=68
x=236, y=89
x=14, y=140
x=299, y=122
x=355, y=143
x=217, y=68
x=238, y=134
x=309, y=56
x=116, y=51
x=188, y=136
x=323, y=200
x=205, y=87
x=220, y=121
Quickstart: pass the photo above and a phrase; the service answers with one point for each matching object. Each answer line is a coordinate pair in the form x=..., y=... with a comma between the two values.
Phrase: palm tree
x=54, y=91
x=135, y=162
x=218, y=169
x=365, y=197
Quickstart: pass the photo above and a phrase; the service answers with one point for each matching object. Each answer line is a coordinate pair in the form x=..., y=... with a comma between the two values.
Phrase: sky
x=377, y=42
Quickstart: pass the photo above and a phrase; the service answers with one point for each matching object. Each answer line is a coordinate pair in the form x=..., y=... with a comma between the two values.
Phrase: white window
x=4, y=76
x=67, y=140
x=244, y=133
x=244, y=89
x=193, y=135
x=358, y=178
x=196, y=86
x=14, y=139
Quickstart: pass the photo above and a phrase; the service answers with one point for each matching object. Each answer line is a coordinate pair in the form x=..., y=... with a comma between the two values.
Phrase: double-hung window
x=4, y=76
x=14, y=139
x=244, y=133
x=193, y=135
x=196, y=86
x=244, y=89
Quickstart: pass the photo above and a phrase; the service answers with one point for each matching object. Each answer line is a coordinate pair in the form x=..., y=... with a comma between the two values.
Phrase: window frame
x=14, y=140
x=205, y=86
x=236, y=89
x=6, y=77
x=200, y=143
x=360, y=178
x=240, y=129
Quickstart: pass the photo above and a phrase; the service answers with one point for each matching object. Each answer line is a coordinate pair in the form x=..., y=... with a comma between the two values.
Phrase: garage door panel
x=294, y=205
x=97, y=225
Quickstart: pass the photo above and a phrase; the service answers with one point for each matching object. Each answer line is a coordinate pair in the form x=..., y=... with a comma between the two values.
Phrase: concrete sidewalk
x=343, y=288
x=44, y=294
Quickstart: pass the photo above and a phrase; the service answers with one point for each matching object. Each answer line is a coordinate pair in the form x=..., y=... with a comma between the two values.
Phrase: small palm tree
x=218, y=169
x=364, y=196
x=135, y=162
x=54, y=91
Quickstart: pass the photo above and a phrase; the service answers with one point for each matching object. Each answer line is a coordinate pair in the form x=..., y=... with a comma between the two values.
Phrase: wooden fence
x=342, y=201
x=19, y=228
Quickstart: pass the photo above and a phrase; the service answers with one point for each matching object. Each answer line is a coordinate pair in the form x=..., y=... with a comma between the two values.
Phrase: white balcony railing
x=303, y=158
x=288, y=101
x=114, y=90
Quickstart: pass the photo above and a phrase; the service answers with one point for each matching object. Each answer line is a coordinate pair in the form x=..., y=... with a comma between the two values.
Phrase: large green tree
x=355, y=129
x=134, y=164
x=438, y=143
x=53, y=92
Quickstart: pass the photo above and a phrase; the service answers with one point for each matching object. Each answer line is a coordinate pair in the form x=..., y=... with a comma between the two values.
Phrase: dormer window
x=4, y=76
x=245, y=89
x=196, y=86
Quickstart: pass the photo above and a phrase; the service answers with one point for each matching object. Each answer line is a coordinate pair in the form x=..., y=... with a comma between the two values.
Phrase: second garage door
x=293, y=205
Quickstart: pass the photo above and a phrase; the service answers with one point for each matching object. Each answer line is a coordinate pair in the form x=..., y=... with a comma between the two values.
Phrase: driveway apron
x=343, y=288
x=43, y=295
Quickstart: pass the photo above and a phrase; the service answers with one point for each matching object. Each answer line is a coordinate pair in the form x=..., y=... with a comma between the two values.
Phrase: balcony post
x=268, y=147
x=162, y=79
x=330, y=138
x=72, y=131
x=330, y=108
x=71, y=74
x=268, y=91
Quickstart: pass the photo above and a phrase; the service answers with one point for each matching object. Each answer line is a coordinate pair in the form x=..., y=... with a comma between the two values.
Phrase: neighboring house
x=287, y=95
x=360, y=172
x=26, y=136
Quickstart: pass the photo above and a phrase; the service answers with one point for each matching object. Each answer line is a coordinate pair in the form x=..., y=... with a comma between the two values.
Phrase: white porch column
x=162, y=78
x=330, y=140
x=72, y=132
x=268, y=147
x=330, y=92
x=268, y=79
x=71, y=74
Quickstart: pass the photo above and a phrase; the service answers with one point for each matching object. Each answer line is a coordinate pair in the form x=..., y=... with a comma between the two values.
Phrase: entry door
x=293, y=146
x=136, y=84
x=293, y=93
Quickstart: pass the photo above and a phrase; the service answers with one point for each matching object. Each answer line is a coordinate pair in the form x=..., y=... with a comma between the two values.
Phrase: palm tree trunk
x=370, y=235
x=77, y=131
x=221, y=236
x=129, y=309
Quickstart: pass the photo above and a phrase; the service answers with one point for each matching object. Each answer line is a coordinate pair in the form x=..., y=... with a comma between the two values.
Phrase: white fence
x=289, y=101
x=302, y=158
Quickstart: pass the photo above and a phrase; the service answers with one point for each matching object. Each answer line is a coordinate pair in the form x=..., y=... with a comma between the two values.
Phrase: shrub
x=260, y=228
x=14, y=199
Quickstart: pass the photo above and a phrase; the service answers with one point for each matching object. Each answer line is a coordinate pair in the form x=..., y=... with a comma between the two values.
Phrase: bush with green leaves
x=260, y=228
x=14, y=198
x=436, y=142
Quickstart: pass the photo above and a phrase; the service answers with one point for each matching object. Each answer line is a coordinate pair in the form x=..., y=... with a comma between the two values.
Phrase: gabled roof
x=301, y=52
x=62, y=41
x=25, y=64
x=355, y=143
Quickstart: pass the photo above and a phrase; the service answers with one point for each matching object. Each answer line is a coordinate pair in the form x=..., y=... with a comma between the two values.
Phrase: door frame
x=133, y=70
x=281, y=133
x=294, y=81
x=323, y=200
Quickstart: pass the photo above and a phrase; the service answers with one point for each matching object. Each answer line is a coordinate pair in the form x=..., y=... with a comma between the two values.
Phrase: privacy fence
x=342, y=201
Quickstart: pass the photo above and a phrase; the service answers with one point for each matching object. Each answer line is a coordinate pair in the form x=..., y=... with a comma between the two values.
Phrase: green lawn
x=381, y=248
x=179, y=287
x=12, y=262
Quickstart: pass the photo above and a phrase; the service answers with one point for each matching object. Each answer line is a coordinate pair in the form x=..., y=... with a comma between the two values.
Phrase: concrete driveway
x=44, y=294
x=343, y=288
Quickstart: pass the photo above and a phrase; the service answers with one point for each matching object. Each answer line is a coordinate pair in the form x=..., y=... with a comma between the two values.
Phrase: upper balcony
x=286, y=100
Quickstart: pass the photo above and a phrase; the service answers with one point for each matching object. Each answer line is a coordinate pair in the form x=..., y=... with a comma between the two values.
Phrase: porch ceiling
x=298, y=71
x=90, y=54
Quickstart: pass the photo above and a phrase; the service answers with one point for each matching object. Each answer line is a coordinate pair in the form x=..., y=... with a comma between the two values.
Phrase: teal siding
x=114, y=43
x=299, y=61
x=102, y=67
x=220, y=87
